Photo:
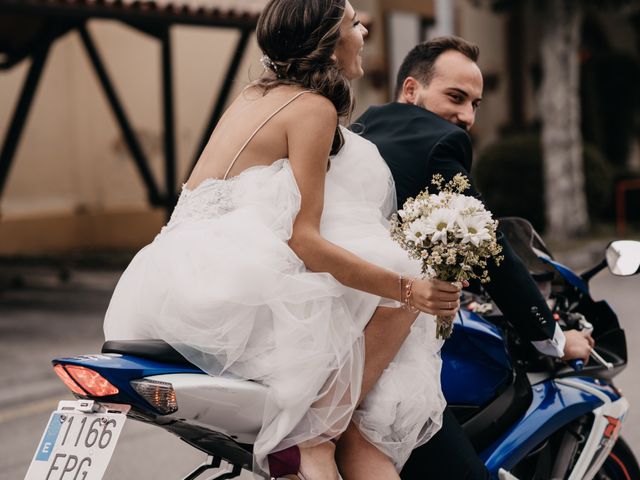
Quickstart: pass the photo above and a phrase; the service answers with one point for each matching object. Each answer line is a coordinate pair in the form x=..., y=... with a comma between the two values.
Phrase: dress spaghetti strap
x=258, y=129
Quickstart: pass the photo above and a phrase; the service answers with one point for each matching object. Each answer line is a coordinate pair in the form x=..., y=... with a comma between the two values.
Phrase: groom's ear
x=409, y=91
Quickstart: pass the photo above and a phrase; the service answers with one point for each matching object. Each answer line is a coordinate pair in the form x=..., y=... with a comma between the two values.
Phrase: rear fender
x=119, y=370
x=226, y=405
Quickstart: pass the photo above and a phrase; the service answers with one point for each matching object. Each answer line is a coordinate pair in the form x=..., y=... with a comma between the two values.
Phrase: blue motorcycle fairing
x=553, y=406
x=119, y=370
x=569, y=275
x=475, y=363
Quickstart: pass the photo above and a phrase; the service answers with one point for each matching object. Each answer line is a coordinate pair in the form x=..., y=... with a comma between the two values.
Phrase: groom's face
x=455, y=90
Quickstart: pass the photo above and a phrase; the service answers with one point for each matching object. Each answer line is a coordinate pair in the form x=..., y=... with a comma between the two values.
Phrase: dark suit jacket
x=416, y=144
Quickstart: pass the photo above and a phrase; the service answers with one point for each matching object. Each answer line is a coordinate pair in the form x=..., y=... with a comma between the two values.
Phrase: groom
x=424, y=132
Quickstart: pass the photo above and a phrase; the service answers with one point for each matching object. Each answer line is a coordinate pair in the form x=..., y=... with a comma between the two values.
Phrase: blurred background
x=105, y=105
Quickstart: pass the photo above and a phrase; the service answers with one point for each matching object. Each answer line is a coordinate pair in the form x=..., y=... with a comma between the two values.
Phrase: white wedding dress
x=221, y=285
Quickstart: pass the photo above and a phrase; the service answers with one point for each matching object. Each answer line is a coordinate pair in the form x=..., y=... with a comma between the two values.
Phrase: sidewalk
x=583, y=253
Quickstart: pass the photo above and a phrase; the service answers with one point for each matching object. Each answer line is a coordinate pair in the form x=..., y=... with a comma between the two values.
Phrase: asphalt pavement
x=47, y=315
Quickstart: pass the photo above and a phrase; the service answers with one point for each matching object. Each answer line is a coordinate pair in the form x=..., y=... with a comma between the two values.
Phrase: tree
x=565, y=197
x=559, y=96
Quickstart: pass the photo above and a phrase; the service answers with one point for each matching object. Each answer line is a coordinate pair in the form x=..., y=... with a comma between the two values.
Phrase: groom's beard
x=419, y=102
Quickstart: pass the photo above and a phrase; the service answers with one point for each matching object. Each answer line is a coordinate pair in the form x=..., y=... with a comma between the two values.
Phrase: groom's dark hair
x=420, y=61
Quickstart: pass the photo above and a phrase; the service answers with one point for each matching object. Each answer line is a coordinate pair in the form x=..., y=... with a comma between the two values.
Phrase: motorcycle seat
x=157, y=350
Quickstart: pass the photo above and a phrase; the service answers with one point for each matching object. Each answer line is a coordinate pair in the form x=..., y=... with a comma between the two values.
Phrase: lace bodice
x=211, y=199
x=264, y=187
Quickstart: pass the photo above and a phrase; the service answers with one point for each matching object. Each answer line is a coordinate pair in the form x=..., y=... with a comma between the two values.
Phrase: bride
x=277, y=265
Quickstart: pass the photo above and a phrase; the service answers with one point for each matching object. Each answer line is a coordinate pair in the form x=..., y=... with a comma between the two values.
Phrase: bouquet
x=452, y=234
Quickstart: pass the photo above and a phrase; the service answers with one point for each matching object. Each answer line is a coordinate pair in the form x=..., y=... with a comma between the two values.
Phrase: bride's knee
x=352, y=441
x=358, y=458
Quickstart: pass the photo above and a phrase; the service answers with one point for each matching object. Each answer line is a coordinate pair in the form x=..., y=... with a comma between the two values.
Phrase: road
x=47, y=317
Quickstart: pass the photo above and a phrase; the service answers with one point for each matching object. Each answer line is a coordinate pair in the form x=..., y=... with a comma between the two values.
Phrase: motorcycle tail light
x=160, y=395
x=68, y=381
x=91, y=382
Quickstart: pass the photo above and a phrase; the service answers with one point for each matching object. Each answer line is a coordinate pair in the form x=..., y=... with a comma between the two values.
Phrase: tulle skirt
x=222, y=286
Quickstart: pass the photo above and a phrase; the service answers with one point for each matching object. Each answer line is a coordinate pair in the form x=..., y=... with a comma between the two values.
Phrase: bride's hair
x=298, y=38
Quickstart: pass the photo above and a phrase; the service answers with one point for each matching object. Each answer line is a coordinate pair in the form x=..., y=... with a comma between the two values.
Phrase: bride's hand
x=436, y=297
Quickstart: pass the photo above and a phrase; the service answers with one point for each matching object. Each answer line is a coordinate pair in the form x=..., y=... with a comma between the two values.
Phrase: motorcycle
x=528, y=416
x=531, y=416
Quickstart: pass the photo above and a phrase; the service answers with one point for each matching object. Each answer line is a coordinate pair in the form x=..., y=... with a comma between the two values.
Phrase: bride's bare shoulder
x=312, y=110
x=282, y=93
x=316, y=103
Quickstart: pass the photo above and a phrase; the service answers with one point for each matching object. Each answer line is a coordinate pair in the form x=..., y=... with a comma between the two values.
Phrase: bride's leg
x=318, y=462
x=384, y=334
x=359, y=460
x=383, y=337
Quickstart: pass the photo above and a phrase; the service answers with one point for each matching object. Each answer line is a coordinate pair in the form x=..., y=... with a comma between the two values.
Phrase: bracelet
x=400, y=278
x=409, y=292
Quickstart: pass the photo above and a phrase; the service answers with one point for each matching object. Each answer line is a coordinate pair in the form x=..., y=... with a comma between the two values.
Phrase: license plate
x=78, y=442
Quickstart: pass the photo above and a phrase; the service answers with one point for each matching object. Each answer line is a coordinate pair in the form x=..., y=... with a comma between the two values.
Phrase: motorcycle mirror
x=623, y=257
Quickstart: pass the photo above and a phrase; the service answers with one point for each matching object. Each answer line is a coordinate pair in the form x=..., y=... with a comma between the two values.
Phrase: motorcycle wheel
x=621, y=464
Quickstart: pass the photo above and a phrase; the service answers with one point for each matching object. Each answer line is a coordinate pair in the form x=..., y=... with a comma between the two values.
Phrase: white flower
x=410, y=211
x=462, y=203
x=439, y=223
x=480, y=213
x=439, y=200
x=473, y=229
x=417, y=231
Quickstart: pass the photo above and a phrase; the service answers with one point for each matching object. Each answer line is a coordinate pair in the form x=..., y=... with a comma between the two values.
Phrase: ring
x=449, y=305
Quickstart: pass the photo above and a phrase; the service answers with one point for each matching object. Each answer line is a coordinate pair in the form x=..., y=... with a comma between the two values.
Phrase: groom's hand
x=578, y=345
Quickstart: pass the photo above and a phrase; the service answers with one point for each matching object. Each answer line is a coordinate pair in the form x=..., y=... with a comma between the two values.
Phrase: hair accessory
x=267, y=63
x=281, y=69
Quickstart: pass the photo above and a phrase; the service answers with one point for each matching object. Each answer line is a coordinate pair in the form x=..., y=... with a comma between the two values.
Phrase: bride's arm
x=309, y=137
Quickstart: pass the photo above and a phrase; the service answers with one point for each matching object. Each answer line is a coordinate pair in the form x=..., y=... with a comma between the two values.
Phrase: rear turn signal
x=160, y=395
x=91, y=382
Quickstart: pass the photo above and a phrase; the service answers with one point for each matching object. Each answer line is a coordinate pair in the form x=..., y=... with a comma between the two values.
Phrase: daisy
x=439, y=223
x=417, y=231
x=473, y=229
x=463, y=203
